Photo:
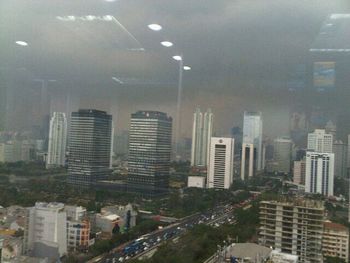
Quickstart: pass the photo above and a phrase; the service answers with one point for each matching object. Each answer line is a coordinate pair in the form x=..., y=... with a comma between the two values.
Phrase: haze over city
x=174, y=131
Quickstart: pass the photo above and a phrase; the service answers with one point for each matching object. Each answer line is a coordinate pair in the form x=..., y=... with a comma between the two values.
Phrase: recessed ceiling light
x=155, y=27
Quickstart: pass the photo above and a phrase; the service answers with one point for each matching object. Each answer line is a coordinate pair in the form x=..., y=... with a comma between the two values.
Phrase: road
x=146, y=243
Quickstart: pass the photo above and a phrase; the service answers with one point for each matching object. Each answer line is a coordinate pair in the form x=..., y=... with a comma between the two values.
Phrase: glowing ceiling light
x=177, y=58
x=187, y=68
x=22, y=43
x=155, y=27
x=166, y=43
x=108, y=18
x=90, y=17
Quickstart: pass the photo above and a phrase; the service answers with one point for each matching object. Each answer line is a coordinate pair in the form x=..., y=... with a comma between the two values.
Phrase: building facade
x=282, y=154
x=319, y=173
x=320, y=141
x=340, y=159
x=149, y=152
x=90, y=147
x=252, y=134
x=56, y=154
x=293, y=227
x=248, y=161
x=46, y=230
x=78, y=228
x=299, y=172
x=220, y=168
x=201, y=135
x=335, y=241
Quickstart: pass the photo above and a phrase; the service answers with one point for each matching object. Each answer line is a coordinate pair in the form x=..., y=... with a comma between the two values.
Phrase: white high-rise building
x=320, y=141
x=46, y=234
x=201, y=135
x=57, y=140
x=252, y=134
x=319, y=173
x=220, y=166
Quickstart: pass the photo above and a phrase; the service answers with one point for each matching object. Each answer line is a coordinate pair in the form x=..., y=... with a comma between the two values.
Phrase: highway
x=146, y=243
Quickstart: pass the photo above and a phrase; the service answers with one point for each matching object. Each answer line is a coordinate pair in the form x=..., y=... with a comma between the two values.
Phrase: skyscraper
x=90, y=140
x=319, y=173
x=196, y=137
x=57, y=140
x=340, y=159
x=149, y=152
x=320, y=141
x=201, y=136
x=248, y=161
x=220, y=166
x=252, y=134
x=282, y=154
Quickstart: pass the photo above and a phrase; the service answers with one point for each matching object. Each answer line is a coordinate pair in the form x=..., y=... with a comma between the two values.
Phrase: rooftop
x=248, y=251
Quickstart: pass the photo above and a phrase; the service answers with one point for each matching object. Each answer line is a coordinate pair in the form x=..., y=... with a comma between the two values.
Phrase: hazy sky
x=243, y=54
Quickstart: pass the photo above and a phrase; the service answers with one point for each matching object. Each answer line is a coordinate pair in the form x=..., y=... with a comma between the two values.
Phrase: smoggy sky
x=243, y=54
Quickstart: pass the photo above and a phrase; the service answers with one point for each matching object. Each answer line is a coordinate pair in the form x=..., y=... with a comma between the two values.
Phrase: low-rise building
x=127, y=213
x=78, y=228
x=335, y=242
x=108, y=224
x=196, y=181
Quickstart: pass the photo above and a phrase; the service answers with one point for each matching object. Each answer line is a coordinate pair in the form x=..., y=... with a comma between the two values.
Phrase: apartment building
x=294, y=227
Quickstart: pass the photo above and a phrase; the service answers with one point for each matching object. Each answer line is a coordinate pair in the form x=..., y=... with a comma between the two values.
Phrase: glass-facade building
x=90, y=140
x=149, y=152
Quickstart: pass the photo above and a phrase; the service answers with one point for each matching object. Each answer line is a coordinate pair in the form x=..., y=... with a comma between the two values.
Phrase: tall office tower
x=45, y=233
x=340, y=159
x=90, y=139
x=252, y=133
x=282, y=154
x=331, y=128
x=207, y=133
x=293, y=227
x=299, y=172
x=201, y=135
x=248, y=161
x=196, y=138
x=57, y=140
x=319, y=173
x=220, y=166
x=320, y=141
x=121, y=143
x=149, y=152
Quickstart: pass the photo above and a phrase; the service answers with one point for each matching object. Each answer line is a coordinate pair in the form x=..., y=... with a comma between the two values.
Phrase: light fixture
x=187, y=68
x=177, y=58
x=22, y=43
x=155, y=27
x=166, y=43
x=108, y=18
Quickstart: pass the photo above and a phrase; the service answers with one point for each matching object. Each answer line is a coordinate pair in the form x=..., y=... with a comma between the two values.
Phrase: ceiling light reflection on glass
x=187, y=68
x=22, y=43
x=166, y=43
x=177, y=58
x=155, y=27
